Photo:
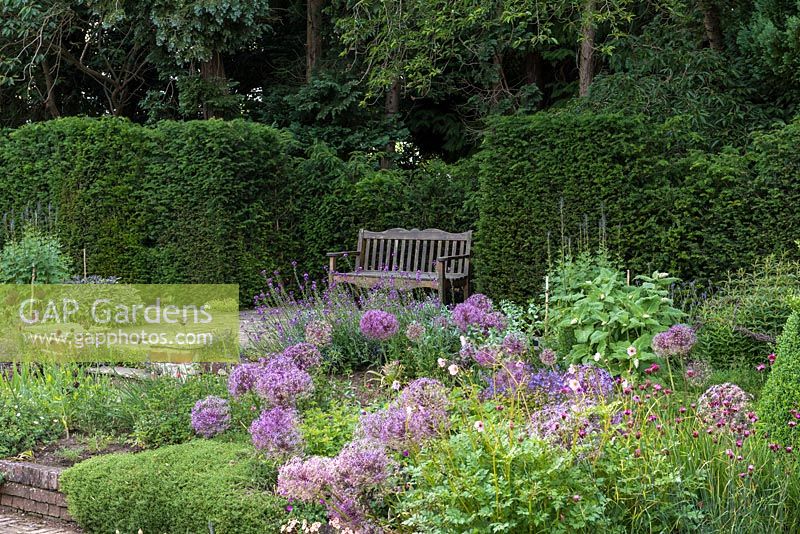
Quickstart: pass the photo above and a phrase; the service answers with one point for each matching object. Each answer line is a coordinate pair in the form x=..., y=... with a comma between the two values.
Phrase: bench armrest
x=445, y=259
x=343, y=253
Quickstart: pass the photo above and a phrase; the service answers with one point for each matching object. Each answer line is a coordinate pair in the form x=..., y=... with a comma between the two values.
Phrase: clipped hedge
x=180, y=488
x=781, y=394
x=210, y=201
x=662, y=205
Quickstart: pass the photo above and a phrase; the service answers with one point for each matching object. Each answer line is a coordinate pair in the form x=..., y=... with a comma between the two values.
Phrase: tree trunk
x=50, y=98
x=500, y=84
x=313, y=36
x=586, y=63
x=712, y=23
x=213, y=72
x=534, y=69
x=392, y=108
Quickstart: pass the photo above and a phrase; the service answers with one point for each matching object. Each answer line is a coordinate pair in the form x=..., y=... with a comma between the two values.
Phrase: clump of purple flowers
x=418, y=414
x=415, y=331
x=726, y=406
x=379, y=325
x=588, y=383
x=304, y=355
x=677, y=341
x=275, y=432
x=346, y=484
x=486, y=356
x=211, y=416
x=509, y=378
x=477, y=312
x=319, y=333
x=281, y=381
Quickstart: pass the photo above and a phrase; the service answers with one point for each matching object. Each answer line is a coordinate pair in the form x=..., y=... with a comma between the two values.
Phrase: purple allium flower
x=281, y=382
x=507, y=379
x=275, y=431
x=306, y=481
x=211, y=416
x=378, y=324
x=319, y=333
x=548, y=357
x=419, y=413
x=562, y=425
x=494, y=320
x=514, y=344
x=362, y=465
x=415, y=331
x=242, y=379
x=486, y=356
x=466, y=315
x=677, y=341
x=304, y=355
x=480, y=301
x=698, y=373
x=725, y=405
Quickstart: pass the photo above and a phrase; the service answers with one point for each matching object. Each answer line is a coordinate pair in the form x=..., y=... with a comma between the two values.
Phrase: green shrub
x=184, y=488
x=780, y=398
x=25, y=423
x=593, y=311
x=34, y=256
x=326, y=431
x=740, y=322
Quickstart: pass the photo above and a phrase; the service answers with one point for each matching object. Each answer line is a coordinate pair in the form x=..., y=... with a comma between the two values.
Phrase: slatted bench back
x=412, y=250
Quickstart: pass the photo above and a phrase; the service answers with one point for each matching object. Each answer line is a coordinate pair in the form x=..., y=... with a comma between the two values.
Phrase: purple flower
x=677, y=341
x=725, y=406
x=466, y=315
x=698, y=373
x=281, y=382
x=275, y=432
x=211, y=416
x=415, y=331
x=306, y=481
x=362, y=465
x=593, y=383
x=480, y=301
x=242, y=379
x=304, y=355
x=507, y=379
x=548, y=357
x=514, y=344
x=486, y=356
x=426, y=393
x=562, y=425
x=379, y=325
x=319, y=333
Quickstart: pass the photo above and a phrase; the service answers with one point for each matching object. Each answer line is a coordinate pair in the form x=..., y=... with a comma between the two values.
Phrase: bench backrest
x=414, y=250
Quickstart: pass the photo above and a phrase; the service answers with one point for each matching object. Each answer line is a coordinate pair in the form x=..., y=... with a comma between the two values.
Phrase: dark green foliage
x=741, y=321
x=634, y=185
x=183, y=488
x=781, y=394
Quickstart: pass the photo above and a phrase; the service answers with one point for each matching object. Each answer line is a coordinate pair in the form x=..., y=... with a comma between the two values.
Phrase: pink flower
x=760, y=367
x=478, y=426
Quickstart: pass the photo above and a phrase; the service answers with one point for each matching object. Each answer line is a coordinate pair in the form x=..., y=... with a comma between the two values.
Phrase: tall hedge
x=664, y=206
x=780, y=398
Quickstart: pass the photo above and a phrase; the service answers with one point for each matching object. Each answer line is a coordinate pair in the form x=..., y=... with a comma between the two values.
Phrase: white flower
x=636, y=362
x=453, y=369
x=464, y=341
x=624, y=384
x=442, y=362
x=632, y=351
x=478, y=426
x=571, y=369
x=602, y=296
x=574, y=385
x=396, y=385
x=574, y=321
x=646, y=316
x=597, y=356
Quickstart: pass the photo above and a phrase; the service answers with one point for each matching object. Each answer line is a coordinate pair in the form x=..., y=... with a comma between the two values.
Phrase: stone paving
x=15, y=523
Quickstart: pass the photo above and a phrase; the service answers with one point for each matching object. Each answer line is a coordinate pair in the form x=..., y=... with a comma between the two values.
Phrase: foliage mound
x=181, y=488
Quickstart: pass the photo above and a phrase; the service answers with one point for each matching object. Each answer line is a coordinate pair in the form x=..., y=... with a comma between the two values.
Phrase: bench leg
x=331, y=270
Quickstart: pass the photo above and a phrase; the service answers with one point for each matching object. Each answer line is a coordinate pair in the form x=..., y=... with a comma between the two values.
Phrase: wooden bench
x=408, y=259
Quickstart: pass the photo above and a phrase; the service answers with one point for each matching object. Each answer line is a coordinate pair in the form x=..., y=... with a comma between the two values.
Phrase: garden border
x=33, y=488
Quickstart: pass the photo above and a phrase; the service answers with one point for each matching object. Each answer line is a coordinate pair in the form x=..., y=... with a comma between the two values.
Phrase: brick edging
x=33, y=488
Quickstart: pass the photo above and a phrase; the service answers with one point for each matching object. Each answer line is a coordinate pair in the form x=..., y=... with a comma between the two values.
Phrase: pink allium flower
x=319, y=333
x=415, y=331
x=275, y=432
x=379, y=325
x=725, y=405
x=677, y=341
x=304, y=355
x=548, y=357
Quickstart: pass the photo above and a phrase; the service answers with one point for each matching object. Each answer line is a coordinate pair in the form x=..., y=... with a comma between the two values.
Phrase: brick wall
x=32, y=488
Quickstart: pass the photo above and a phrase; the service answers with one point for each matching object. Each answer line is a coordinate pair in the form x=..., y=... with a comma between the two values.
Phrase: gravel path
x=15, y=523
